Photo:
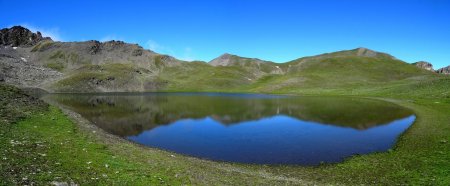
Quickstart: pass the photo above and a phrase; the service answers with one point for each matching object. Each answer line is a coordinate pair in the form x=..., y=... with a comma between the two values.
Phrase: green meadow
x=44, y=144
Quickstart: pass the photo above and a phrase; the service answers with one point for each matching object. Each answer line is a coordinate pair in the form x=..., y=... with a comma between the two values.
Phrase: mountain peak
x=365, y=52
x=361, y=51
x=225, y=55
x=20, y=36
x=222, y=60
x=227, y=59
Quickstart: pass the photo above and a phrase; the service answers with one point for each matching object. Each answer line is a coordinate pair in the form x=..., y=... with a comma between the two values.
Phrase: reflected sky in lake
x=246, y=128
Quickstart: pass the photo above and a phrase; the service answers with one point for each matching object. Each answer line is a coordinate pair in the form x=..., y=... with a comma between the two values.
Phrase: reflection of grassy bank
x=68, y=152
x=131, y=114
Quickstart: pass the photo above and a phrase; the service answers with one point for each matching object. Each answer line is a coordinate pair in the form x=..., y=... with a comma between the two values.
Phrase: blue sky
x=275, y=30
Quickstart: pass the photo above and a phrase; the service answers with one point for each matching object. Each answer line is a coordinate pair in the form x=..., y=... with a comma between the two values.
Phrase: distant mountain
x=223, y=60
x=29, y=60
x=259, y=67
x=229, y=60
x=444, y=70
x=346, y=69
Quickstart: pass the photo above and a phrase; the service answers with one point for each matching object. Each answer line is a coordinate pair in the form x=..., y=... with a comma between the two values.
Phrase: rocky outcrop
x=113, y=45
x=20, y=36
x=94, y=47
x=424, y=65
x=445, y=70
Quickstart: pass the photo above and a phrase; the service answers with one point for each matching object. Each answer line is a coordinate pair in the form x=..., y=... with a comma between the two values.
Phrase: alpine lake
x=246, y=128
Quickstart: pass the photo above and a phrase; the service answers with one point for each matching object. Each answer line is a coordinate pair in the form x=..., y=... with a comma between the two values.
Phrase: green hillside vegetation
x=358, y=71
x=108, y=77
x=350, y=72
x=335, y=73
x=197, y=76
x=253, y=64
x=41, y=46
x=41, y=145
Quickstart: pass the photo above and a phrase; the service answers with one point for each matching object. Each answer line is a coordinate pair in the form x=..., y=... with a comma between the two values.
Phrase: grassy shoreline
x=47, y=144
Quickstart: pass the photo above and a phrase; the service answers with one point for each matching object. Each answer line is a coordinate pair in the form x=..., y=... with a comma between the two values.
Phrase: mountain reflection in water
x=246, y=128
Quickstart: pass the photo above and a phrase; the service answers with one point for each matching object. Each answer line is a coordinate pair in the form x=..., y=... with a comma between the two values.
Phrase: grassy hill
x=346, y=72
x=355, y=71
x=339, y=72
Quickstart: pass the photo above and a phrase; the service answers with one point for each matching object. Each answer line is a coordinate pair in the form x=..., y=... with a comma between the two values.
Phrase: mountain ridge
x=116, y=66
x=16, y=35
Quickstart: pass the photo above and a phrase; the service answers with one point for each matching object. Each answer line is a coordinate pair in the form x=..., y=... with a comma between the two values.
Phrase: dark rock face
x=424, y=65
x=445, y=70
x=20, y=36
x=111, y=45
x=95, y=47
x=2, y=77
x=137, y=52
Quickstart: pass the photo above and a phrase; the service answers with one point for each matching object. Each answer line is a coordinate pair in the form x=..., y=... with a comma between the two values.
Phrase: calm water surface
x=247, y=128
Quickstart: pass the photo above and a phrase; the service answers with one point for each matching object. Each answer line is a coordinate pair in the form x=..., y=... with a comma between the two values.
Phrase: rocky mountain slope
x=444, y=70
x=29, y=60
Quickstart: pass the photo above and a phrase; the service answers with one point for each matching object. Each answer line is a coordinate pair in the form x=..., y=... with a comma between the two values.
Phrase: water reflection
x=247, y=128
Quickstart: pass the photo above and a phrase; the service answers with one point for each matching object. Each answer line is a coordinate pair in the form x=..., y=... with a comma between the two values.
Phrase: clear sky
x=276, y=30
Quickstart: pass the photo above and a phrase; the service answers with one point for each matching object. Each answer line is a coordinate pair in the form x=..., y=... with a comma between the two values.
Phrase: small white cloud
x=46, y=32
x=152, y=45
x=186, y=54
x=156, y=47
